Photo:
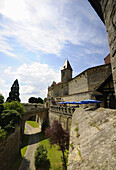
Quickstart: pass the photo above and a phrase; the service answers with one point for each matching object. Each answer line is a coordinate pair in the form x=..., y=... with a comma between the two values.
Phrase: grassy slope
x=32, y=123
x=53, y=154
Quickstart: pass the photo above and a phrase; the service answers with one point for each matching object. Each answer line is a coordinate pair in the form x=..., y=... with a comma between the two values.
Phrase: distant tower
x=66, y=72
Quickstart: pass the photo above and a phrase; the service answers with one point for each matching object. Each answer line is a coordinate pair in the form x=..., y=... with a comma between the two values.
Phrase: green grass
x=53, y=153
x=19, y=158
x=32, y=123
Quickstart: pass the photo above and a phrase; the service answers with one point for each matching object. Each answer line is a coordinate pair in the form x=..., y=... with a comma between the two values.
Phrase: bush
x=3, y=134
x=59, y=136
x=1, y=108
x=15, y=105
x=1, y=99
x=9, y=118
x=41, y=161
x=45, y=125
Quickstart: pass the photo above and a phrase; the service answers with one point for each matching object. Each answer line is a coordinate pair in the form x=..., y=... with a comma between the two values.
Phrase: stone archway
x=31, y=110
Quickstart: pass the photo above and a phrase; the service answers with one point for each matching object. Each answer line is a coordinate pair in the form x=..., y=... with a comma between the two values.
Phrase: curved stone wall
x=93, y=140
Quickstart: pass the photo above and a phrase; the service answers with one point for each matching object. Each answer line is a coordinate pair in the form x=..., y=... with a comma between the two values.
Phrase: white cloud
x=48, y=25
x=33, y=79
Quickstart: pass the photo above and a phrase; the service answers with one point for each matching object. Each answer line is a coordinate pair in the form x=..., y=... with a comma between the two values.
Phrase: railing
x=62, y=110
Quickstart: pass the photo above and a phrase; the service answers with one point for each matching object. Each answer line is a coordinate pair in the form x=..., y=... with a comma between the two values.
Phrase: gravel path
x=28, y=161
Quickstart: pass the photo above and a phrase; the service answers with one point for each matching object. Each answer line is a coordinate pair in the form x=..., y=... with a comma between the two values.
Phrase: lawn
x=17, y=162
x=32, y=123
x=53, y=154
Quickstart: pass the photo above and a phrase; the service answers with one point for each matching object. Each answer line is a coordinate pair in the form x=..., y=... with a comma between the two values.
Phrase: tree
x=8, y=120
x=44, y=100
x=40, y=100
x=59, y=136
x=35, y=100
x=1, y=103
x=41, y=160
x=14, y=93
x=1, y=99
x=15, y=105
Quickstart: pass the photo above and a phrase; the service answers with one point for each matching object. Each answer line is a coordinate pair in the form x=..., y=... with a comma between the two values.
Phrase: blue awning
x=88, y=101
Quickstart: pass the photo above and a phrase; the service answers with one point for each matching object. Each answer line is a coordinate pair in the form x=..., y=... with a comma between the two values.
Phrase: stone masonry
x=93, y=140
x=109, y=14
x=106, y=9
x=9, y=149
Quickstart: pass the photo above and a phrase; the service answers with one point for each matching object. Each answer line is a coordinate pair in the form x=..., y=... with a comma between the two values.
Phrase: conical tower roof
x=66, y=65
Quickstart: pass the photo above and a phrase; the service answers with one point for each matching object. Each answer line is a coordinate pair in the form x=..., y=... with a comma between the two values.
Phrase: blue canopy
x=81, y=102
x=73, y=102
x=60, y=103
x=88, y=101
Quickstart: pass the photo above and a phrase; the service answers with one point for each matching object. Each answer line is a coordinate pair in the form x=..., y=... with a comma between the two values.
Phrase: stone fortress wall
x=93, y=140
x=9, y=149
x=82, y=86
x=106, y=9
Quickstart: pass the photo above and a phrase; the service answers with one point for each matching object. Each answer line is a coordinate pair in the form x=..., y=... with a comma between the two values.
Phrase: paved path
x=28, y=161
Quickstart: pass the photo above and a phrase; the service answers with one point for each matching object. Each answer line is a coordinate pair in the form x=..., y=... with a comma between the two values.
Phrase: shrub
x=3, y=134
x=1, y=99
x=15, y=105
x=1, y=108
x=45, y=125
x=41, y=160
x=59, y=136
x=9, y=118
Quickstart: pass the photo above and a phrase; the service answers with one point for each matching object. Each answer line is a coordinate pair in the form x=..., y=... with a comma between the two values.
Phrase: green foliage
x=1, y=103
x=76, y=129
x=93, y=124
x=15, y=105
x=45, y=125
x=33, y=123
x=3, y=134
x=1, y=99
x=35, y=100
x=9, y=118
x=41, y=160
x=1, y=108
x=59, y=136
x=44, y=100
x=54, y=154
x=72, y=146
x=65, y=159
x=14, y=93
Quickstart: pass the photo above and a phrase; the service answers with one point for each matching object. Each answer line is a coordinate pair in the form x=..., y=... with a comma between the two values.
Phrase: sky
x=37, y=36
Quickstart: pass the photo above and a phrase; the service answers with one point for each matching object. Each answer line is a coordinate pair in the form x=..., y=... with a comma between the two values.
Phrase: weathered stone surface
x=65, y=120
x=109, y=13
x=106, y=9
x=82, y=86
x=9, y=149
x=93, y=140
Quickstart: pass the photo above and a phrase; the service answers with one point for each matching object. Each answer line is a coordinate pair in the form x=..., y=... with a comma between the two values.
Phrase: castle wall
x=109, y=13
x=65, y=120
x=98, y=75
x=77, y=97
x=78, y=84
x=66, y=75
x=61, y=90
x=93, y=140
x=9, y=149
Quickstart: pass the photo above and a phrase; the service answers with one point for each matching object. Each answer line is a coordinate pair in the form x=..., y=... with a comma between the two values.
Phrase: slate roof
x=66, y=65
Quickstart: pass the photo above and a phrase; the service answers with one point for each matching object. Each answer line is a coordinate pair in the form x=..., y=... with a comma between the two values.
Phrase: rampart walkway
x=62, y=110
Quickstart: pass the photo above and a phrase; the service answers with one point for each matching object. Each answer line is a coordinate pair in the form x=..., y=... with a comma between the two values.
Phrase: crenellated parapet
x=62, y=110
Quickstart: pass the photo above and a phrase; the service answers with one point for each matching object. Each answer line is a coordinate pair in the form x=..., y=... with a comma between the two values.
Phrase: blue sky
x=37, y=36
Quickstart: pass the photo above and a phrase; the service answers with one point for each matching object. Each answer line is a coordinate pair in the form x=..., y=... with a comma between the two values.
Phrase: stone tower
x=66, y=72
